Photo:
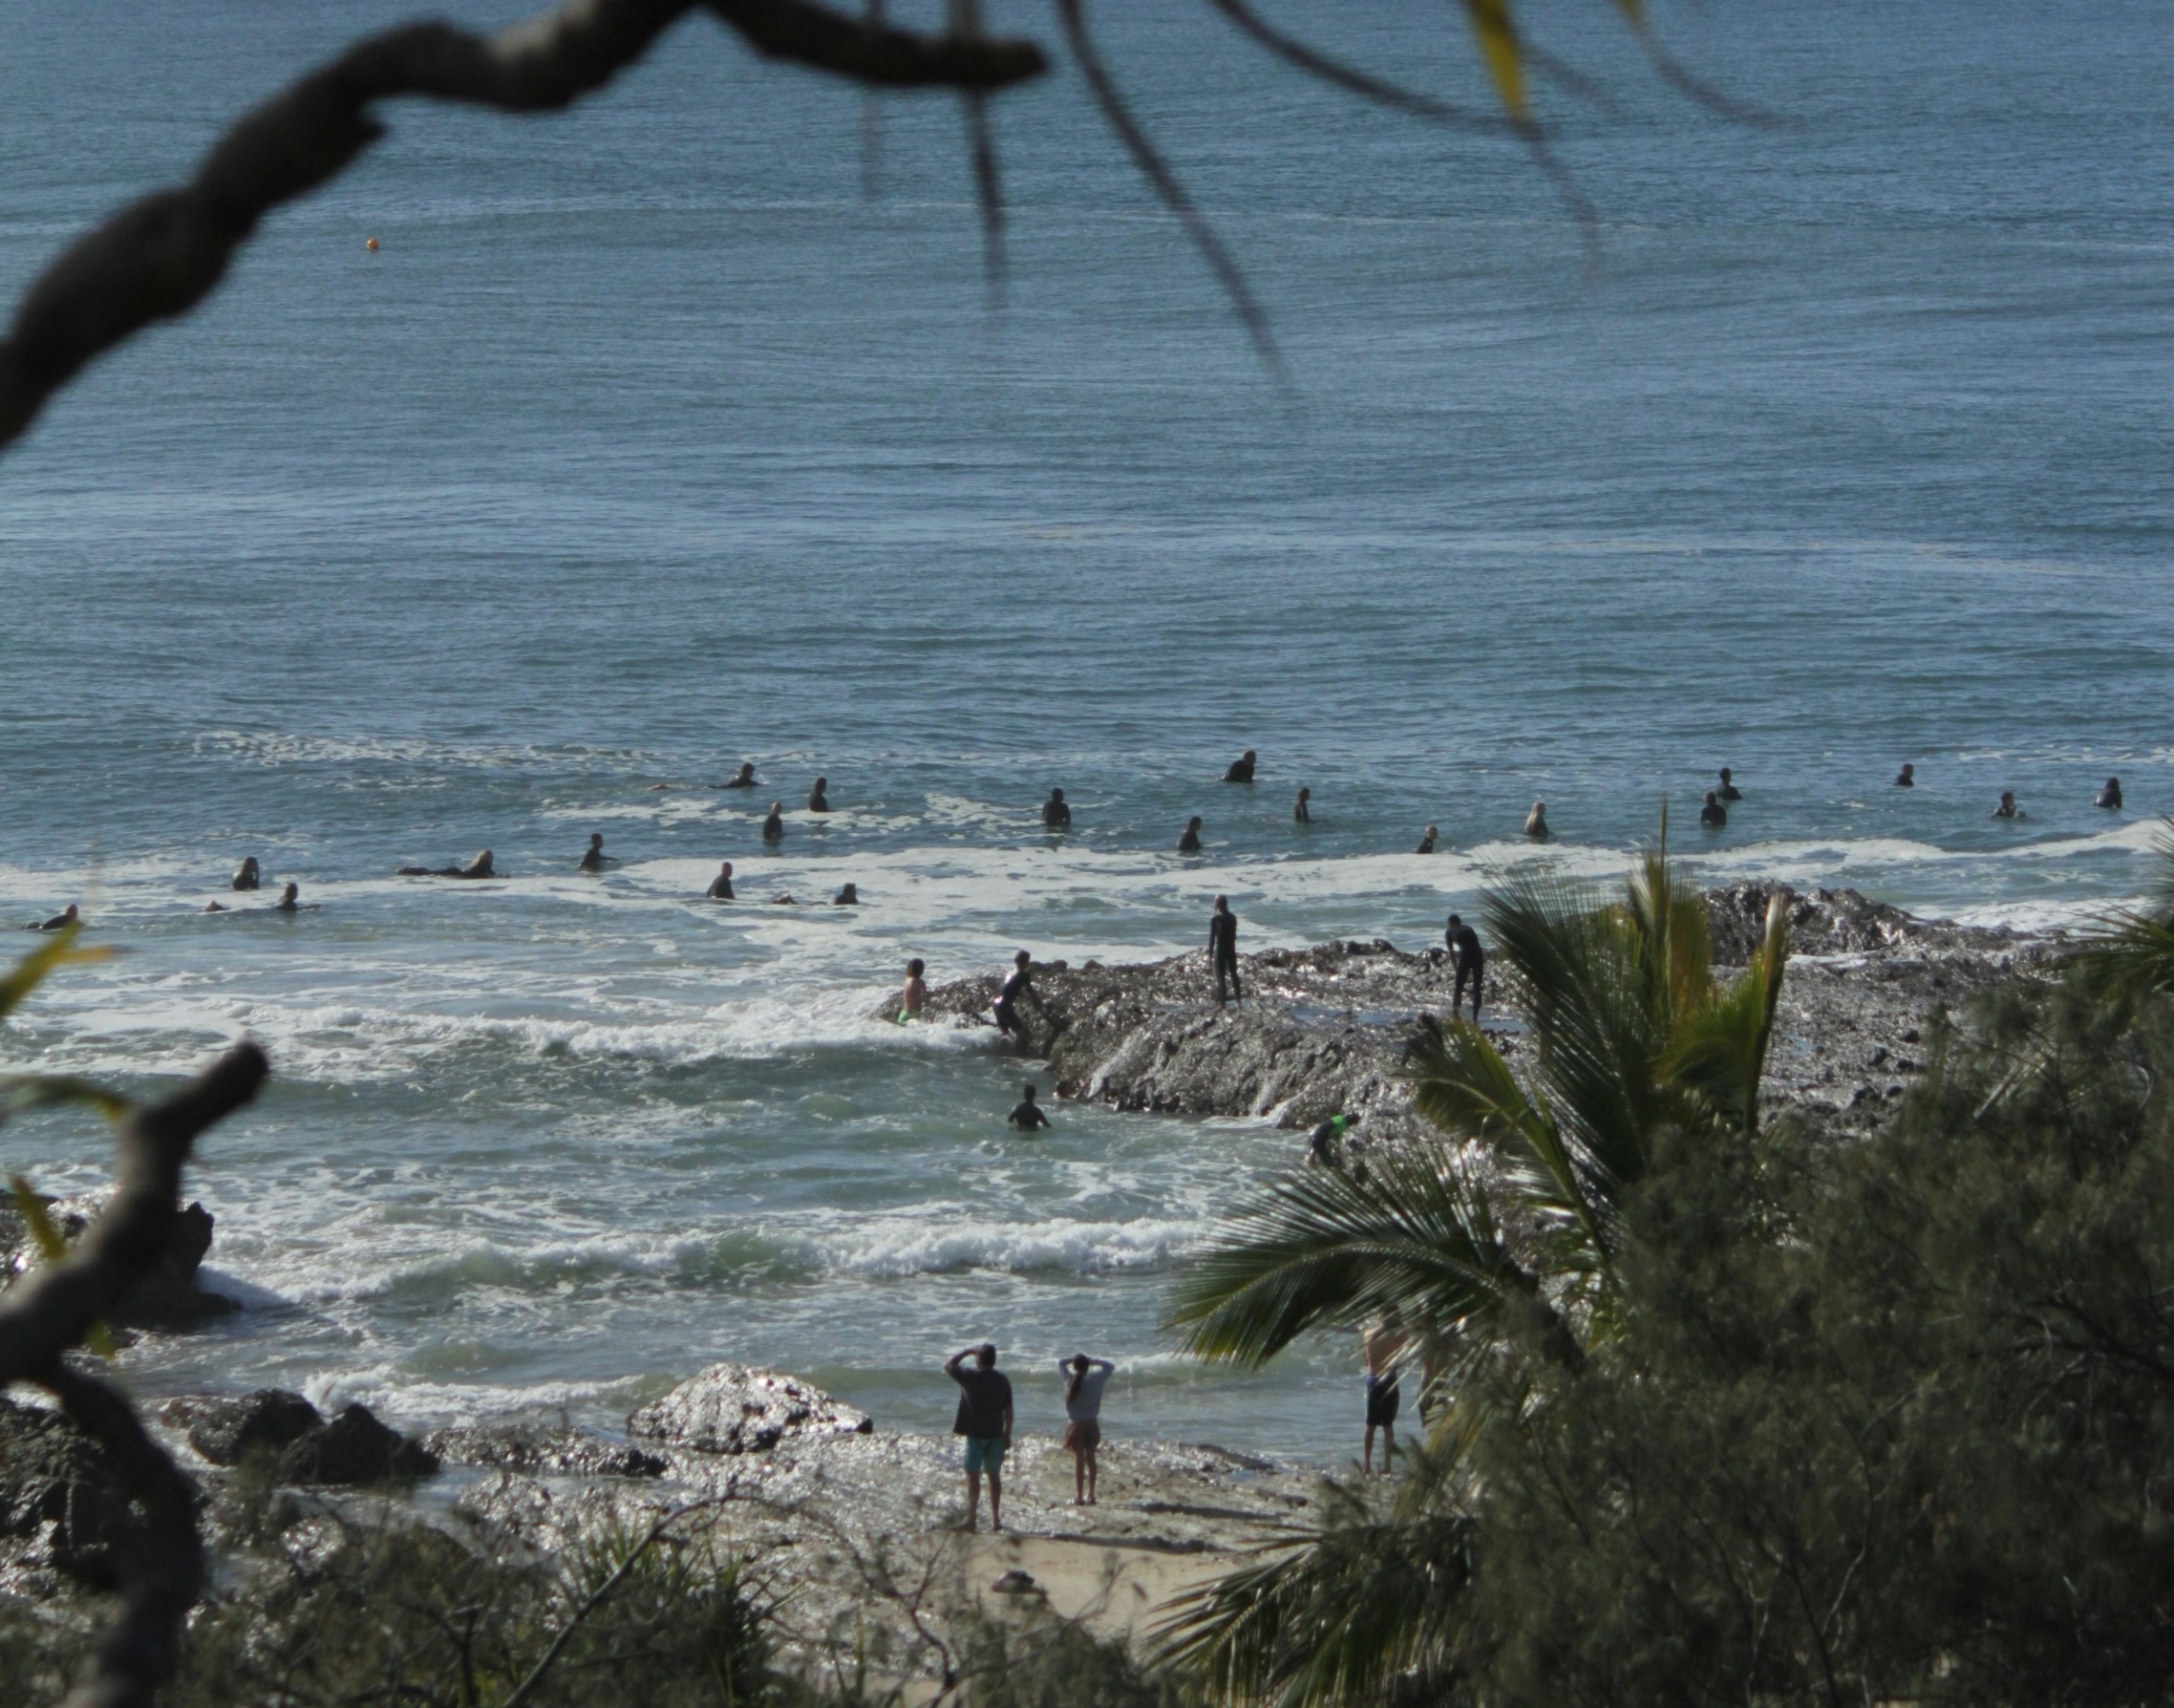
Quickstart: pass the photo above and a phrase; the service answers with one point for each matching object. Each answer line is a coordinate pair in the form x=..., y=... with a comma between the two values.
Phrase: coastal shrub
x=1888, y=1420
x=1036, y=1659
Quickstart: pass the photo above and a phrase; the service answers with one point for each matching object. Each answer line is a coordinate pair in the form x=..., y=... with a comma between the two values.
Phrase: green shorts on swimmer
x=984, y=1453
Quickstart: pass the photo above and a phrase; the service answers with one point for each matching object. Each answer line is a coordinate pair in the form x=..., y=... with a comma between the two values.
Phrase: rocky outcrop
x=62, y=1508
x=532, y=1450
x=168, y=1299
x=352, y=1450
x=737, y=1408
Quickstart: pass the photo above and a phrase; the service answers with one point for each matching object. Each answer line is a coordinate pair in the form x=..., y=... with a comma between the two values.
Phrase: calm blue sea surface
x=647, y=443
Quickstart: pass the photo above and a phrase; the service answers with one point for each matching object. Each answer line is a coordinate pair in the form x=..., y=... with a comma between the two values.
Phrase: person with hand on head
x=819, y=799
x=985, y=1419
x=1027, y=1114
x=248, y=875
x=1055, y=814
x=1084, y=1379
x=1241, y=768
x=1190, y=841
x=721, y=885
x=2110, y=795
x=1906, y=776
x=915, y=995
x=1728, y=791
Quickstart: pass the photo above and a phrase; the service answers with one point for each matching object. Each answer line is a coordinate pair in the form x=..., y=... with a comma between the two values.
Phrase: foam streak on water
x=643, y=445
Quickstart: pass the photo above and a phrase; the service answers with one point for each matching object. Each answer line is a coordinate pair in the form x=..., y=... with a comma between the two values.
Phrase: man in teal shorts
x=985, y=1420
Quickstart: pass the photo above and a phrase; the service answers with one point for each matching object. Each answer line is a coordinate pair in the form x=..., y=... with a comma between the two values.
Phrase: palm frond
x=1322, y=1248
x=1719, y=1050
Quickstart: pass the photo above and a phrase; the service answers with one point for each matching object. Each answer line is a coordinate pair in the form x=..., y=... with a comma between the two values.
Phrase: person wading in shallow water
x=1055, y=814
x=1906, y=777
x=1728, y=791
x=818, y=796
x=1713, y=815
x=774, y=826
x=721, y=885
x=985, y=1419
x=2111, y=795
x=915, y=995
x=1190, y=841
x=1084, y=1378
x=1223, y=948
x=1427, y=841
x=248, y=875
x=1241, y=768
x=1027, y=1114
x=1301, y=812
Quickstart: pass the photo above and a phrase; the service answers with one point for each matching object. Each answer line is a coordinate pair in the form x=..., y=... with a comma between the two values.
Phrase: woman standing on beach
x=1083, y=1381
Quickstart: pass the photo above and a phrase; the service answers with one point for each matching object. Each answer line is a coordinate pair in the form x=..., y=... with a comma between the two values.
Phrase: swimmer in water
x=247, y=875
x=1536, y=821
x=783, y=899
x=1712, y=815
x=1055, y=814
x=774, y=826
x=61, y=921
x=289, y=899
x=1190, y=841
x=1241, y=768
x=743, y=777
x=1300, y=814
x=482, y=867
x=2111, y=795
x=1223, y=948
x=915, y=996
x=1427, y=841
x=1728, y=791
x=1018, y=987
x=1906, y=777
x=848, y=897
x=817, y=801
x=2008, y=809
x=596, y=859
x=721, y=885
x=1028, y=1114
x=1470, y=961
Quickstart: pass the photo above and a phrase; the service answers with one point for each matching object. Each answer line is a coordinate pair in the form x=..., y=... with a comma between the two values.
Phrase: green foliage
x=1034, y=1660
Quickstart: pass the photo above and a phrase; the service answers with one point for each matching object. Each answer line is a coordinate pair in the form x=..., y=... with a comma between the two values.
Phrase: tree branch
x=157, y=259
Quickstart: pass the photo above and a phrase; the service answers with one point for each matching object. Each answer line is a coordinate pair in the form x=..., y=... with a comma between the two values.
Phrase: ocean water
x=647, y=441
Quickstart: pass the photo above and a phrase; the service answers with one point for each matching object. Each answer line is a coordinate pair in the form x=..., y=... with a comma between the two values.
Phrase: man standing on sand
x=1223, y=948
x=985, y=1420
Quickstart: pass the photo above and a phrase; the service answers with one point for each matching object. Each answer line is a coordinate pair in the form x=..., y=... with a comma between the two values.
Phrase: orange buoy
x=371, y=243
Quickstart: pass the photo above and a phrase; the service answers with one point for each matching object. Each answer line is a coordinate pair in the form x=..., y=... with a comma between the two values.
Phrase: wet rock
x=61, y=1506
x=1017, y=1582
x=535, y=1451
x=227, y=1431
x=354, y=1448
x=168, y=1298
x=737, y=1408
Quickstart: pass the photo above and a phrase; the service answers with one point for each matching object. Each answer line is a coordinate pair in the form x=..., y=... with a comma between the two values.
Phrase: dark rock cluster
x=346, y=1451
x=168, y=1299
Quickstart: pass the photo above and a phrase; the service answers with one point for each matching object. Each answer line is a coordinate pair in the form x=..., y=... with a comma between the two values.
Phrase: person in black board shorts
x=1241, y=768
x=1055, y=814
x=985, y=1419
x=1018, y=987
x=1713, y=815
x=1190, y=841
x=1223, y=948
x=1027, y=1114
x=1470, y=959
x=1728, y=791
x=721, y=885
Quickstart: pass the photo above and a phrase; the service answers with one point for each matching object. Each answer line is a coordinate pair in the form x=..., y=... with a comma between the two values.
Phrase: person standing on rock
x=985, y=1420
x=1056, y=814
x=1223, y=948
x=1470, y=961
x=1018, y=988
x=1084, y=1378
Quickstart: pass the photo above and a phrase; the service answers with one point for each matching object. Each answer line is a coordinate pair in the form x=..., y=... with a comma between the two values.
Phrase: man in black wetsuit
x=248, y=875
x=1223, y=948
x=1241, y=768
x=1906, y=777
x=1427, y=841
x=1713, y=815
x=484, y=865
x=1028, y=1115
x=1301, y=812
x=1018, y=987
x=774, y=826
x=744, y=776
x=61, y=921
x=2111, y=795
x=1055, y=814
x=1190, y=841
x=596, y=860
x=819, y=802
x=1728, y=791
x=848, y=897
x=721, y=885
x=1470, y=961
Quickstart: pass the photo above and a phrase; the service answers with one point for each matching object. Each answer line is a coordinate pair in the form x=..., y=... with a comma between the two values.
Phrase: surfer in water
x=1728, y=791
x=291, y=900
x=1240, y=769
x=848, y=897
x=743, y=777
x=1300, y=813
x=61, y=921
x=596, y=859
x=915, y=996
x=2008, y=809
x=248, y=875
x=1027, y=1114
x=774, y=826
x=1055, y=814
x=1427, y=841
x=2111, y=795
x=1190, y=841
x=721, y=885
x=1713, y=815
x=1536, y=822
x=819, y=802
x=1018, y=988
x=482, y=867
x=1906, y=777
